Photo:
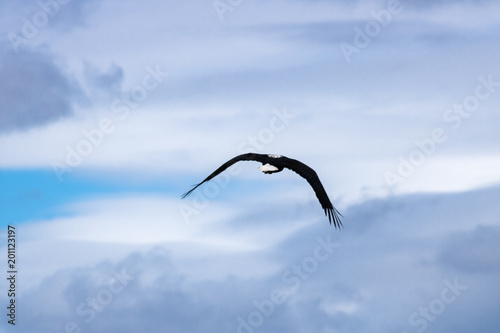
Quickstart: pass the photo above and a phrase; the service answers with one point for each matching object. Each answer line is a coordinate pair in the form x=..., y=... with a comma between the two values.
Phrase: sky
x=111, y=110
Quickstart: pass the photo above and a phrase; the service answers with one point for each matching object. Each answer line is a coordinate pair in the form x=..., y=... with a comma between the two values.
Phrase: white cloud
x=110, y=227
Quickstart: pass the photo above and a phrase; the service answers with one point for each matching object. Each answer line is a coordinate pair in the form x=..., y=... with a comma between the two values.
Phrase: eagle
x=276, y=163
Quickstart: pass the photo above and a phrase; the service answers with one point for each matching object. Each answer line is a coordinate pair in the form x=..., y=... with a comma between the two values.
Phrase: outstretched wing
x=242, y=157
x=312, y=178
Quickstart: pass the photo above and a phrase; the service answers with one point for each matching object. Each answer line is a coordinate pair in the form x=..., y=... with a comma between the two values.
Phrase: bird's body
x=276, y=163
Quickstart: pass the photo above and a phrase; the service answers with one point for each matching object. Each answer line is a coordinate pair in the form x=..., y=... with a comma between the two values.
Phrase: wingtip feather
x=188, y=192
x=334, y=216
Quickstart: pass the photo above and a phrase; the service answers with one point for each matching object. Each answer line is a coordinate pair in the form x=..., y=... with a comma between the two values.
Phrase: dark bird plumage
x=276, y=163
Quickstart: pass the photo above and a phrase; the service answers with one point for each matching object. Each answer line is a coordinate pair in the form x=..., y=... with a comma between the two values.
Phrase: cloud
x=252, y=245
x=320, y=279
x=60, y=16
x=476, y=251
x=73, y=14
x=34, y=90
x=103, y=84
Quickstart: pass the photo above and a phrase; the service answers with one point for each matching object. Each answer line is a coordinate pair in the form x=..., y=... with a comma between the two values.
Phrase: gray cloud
x=473, y=251
x=372, y=281
x=34, y=90
x=74, y=14
x=62, y=16
x=103, y=84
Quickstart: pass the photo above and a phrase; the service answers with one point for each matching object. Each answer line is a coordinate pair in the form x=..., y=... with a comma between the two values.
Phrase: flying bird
x=276, y=163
